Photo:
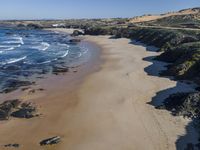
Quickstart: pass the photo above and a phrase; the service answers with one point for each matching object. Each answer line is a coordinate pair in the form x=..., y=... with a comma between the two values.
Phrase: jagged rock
x=198, y=88
x=77, y=33
x=74, y=41
x=57, y=70
x=185, y=104
x=21, y=26
x=17, y=109
x=12, y=145
x=7, y=107
x=51, y=141
x=13, y=84
x=26, y=110
x=190, y=146
x=41, y=89
x=34, y=26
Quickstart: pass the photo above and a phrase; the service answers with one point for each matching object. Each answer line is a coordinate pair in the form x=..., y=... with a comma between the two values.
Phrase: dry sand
x=146, y=18
x=109, y=110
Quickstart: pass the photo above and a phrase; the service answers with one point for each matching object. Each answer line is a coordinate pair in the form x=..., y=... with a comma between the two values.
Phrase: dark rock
x=75, y=71
x=7, y=107
x=12, y=145
x=198, y=146
x=160, y=107
x=190, y=146
x=21, y=26
x=74, y=41
x=26, y=88
x=185, y=104
x=198, y=89
x=51, y=141
x=26, y=110
x=13, y=84
x=57, y=70
x=77, y=33
x=14, y=108
x=41, y=89
x=34, y=26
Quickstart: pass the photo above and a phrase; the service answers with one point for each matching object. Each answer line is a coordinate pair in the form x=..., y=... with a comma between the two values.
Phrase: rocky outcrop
x=15, y=108
x=26, y=110
x=59, y=70
x=184, y=104
x=7, y=107
x=51, y=141
x=77, y=33
x=33, y=26
x=14, y=84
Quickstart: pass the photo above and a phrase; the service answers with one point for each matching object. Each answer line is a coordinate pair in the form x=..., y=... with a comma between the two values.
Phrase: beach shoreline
x=105, y=107
x=53, y=88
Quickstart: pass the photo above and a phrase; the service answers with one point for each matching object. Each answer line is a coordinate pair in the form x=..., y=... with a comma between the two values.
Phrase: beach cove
x=104, y=106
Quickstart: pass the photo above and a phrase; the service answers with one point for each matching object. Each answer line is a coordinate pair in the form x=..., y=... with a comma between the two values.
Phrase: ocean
x=25, y=54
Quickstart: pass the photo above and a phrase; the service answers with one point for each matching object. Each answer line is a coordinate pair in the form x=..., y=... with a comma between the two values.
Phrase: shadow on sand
x=154, y=69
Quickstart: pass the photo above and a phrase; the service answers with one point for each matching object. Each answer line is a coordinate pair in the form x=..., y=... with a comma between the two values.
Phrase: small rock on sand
x=12, y=145
x=51, y=141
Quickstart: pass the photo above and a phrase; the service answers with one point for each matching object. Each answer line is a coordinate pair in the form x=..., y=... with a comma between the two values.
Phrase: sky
x=68, y=9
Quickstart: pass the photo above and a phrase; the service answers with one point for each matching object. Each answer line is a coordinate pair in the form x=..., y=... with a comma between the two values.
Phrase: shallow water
x=24, y=53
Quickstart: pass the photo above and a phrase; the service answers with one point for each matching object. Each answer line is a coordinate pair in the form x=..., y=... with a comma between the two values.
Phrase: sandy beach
x=106, y=108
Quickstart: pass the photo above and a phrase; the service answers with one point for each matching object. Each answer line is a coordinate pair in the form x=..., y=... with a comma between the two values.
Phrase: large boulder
x=7, y=107
x=26, y=110
x=34, y=26
x=15, y=108
x=77, y=33
x=185, y=104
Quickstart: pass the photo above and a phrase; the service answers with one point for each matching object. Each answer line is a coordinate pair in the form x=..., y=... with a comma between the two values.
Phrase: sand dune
x=146, y=18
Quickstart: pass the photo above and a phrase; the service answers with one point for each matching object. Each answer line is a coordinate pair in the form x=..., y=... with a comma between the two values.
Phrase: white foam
x=15, y=60
x=43, y=47
x=64, y=45
x=4, y=46
x=65, y=54
x=8, y=48
x=45, y=62
x=21, y=40
x=80, y=54
x=10, y=42
x=15, y=40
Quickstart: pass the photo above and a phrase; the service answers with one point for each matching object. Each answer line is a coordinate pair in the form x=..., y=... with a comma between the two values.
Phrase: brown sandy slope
x=146, y=18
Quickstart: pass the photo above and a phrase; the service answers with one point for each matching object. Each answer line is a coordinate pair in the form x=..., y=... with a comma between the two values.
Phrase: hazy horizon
x=79, y=9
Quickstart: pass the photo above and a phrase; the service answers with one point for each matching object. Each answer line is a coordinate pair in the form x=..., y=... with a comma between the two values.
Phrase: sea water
x=24, y=53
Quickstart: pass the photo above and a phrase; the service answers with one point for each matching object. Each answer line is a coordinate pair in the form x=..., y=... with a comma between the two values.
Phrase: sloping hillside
x=181, y=16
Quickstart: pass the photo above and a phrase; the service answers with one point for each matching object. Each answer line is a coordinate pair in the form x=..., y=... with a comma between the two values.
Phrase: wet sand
x=108, y=110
